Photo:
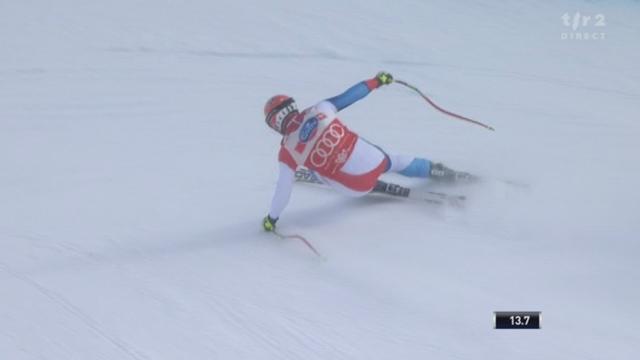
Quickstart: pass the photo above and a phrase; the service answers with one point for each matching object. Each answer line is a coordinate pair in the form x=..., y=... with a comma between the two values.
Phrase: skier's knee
x=417, y=168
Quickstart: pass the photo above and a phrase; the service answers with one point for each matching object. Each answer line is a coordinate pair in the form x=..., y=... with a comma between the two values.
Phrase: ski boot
x=443, y=174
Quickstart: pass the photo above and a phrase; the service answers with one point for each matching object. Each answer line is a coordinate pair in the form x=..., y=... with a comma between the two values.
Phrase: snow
x=136, y=168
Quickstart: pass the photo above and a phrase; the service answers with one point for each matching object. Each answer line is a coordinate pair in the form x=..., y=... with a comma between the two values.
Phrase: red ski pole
x=460, y=117
x=301, y=238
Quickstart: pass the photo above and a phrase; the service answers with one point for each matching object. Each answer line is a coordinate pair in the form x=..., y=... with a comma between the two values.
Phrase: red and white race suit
x=319, y=141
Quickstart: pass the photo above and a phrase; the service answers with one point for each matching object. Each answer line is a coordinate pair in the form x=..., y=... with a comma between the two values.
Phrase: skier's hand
x=384, y=78
x=268, y=223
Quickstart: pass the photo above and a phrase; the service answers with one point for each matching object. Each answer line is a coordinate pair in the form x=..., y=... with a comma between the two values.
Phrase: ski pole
x=460, y=117
x=301, y=238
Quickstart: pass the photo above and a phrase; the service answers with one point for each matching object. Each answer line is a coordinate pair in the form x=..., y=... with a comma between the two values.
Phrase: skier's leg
x=360, y=173
x=411, y=166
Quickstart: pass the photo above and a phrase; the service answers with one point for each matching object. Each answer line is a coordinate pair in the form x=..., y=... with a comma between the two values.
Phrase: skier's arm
x=283, y=191
x=360, y=90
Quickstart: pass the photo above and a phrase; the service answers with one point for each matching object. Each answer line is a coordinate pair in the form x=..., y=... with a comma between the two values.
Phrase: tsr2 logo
x=584, y=27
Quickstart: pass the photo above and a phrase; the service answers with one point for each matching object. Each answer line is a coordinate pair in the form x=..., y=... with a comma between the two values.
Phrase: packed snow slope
x=135, y=169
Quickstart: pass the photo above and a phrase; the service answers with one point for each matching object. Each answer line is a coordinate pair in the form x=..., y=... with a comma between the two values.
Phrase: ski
x=394, y=190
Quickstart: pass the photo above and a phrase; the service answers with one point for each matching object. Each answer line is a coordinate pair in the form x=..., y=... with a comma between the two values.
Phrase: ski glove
x=268, y=223
x=384, y=78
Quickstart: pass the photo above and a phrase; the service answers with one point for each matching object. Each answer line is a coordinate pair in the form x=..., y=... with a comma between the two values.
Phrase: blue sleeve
x=353, y=94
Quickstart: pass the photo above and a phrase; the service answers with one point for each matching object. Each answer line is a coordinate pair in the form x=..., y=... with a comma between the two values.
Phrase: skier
x=317, y=140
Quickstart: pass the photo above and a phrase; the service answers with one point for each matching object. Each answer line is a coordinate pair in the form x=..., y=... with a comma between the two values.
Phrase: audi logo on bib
x=326, y=145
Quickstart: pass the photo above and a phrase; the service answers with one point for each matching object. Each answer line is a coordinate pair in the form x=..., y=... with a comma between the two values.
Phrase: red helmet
x=278, y=111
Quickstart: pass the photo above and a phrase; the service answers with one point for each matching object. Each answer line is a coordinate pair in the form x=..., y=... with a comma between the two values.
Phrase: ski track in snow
x=127, y=349
x=260, y=56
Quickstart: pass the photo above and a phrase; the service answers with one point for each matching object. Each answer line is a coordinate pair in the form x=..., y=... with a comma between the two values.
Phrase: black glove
x=384, y=78
x=269, y=224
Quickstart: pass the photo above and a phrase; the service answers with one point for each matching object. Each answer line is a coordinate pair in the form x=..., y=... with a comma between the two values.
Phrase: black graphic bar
x=516, y=319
